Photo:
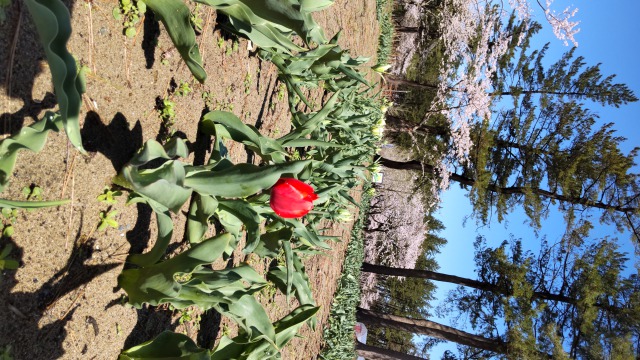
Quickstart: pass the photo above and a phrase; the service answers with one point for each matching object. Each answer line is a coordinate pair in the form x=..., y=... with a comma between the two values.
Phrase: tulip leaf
x=239, y=348
x=183, y=280
x=241, y=180
x=243, y=211
x=308, y=126
x=164, y=184
x=271, y=242
x=31, y=138
x=270, y=23
x=292, y=276
x=201, y=209
x=265, y=147
x=53, y=23
x=175, y=15
x=13, y=204
x=250, y=317
x=310, y=142
x=165, y=232
x=307, y=237
x=167, y=345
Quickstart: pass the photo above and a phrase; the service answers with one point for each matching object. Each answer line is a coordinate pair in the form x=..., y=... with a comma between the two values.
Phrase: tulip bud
x=291, y=198
x=381, y=68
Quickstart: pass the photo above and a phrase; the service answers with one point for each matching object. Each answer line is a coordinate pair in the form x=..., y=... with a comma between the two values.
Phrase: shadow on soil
x=115, y=141
x=21, y=312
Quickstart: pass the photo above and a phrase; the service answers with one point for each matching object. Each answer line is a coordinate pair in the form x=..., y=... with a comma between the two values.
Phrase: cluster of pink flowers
x=465, y=92
x=563, y=28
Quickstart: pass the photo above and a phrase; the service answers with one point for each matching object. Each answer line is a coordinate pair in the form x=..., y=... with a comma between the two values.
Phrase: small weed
x=7, y=230
x=130, y=12
x=196, y=19
x=247, y=83
x=235, y=46
x=282, y=91
x=269, y=292
x=184, y=89
x=189, y=315
x=107, y=219
x=7, y=263
x=220, y=43
x=296, y=155
x=8, y=218
x=208, y=99
x=5, y=353
x=32, y=192
x=108, y=196
x=168, y=118
x=225, y=330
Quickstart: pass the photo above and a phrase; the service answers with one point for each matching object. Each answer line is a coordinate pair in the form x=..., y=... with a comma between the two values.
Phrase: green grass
x=385, y=22
x=339, y=335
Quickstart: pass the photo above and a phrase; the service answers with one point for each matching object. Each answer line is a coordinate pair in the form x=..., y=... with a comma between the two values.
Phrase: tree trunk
x=409, y=29
x=430, y=328
x=480, y=285
x=376, y=353
x=394, y=80
x=518, y=92
x=520, y=190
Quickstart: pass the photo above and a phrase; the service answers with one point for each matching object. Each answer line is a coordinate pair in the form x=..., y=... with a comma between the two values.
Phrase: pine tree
x=546, y=148
x=570, y=300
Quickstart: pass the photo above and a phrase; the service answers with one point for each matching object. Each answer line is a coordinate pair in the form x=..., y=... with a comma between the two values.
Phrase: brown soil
x=63, y=303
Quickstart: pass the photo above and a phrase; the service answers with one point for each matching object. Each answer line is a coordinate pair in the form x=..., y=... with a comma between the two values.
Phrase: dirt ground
x=63, y=301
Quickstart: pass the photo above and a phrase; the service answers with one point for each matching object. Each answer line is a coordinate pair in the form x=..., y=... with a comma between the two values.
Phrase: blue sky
x=610, y=34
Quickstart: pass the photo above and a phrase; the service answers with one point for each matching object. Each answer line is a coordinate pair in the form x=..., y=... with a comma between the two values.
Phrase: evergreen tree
x=545, y=148
x=406, y=297
x=569, y=301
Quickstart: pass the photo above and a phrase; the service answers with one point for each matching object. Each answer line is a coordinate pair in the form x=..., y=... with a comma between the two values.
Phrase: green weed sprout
x=130, y=12
x=108, y=196
x=107, y=219
x=6, y=263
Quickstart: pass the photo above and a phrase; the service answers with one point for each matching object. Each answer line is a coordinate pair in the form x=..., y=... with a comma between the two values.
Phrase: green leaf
x=175, y=16
x=288, y=326
x=239, y=348
x=168, y=345
x=265, y=147
x=271, y=242
x=130, y=32
x=8, y=264
x=6, y=251
x=53, y=22
x=251, y=317
x=165, y=232
x=155, y=284
x=311, y=142
x=310, y=125
x=200, y=210
x=243, y=211
x=241, y=180
x=30, y=138
x=163, y=184
x=298, y=281
x=31, y=204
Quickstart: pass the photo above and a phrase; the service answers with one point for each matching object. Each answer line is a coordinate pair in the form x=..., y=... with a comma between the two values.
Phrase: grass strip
x=384, y=10
x=339, y=337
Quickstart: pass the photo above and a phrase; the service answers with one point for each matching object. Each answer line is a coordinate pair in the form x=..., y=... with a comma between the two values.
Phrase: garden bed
x=63, y=301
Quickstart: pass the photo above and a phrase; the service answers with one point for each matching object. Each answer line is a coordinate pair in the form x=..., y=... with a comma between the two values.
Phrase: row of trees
x=555, y=304
x=544, y=150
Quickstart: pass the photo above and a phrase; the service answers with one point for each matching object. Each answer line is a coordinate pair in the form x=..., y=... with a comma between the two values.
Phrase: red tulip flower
x=291, y=198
